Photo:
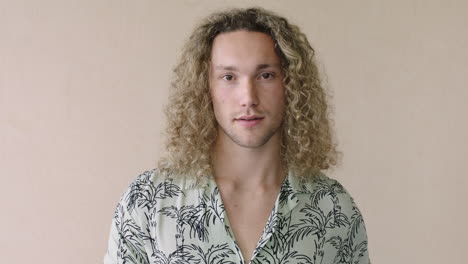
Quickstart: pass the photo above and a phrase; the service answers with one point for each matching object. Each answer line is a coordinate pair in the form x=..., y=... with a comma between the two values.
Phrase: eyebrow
x=233, y=68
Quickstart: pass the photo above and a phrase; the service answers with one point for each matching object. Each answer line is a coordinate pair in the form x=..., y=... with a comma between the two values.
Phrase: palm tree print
x=186, y=216
x=158, y=221
x=143, y=193
x=211, y=208
x=150, y=233
x=131, y=249
x=286, y=193
x=347, y=251
x=331, y=191
x=216, y=254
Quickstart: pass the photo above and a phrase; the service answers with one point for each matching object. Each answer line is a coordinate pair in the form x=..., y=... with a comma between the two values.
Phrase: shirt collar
x=301, y=185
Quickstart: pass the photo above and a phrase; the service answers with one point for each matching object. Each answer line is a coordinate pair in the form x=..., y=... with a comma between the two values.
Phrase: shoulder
x=149, y=187
x=156, y=178
x=149, y=179
x=325, y=191
x=327, y=199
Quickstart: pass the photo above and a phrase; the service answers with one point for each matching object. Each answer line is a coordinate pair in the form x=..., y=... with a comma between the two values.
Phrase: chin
x=251, y=142
x=242, y=139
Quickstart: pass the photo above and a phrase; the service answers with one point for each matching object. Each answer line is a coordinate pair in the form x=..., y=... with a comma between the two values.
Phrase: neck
x=246, y=168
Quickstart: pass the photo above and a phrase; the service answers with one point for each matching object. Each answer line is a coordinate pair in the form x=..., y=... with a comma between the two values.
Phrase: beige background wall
x=82, y=85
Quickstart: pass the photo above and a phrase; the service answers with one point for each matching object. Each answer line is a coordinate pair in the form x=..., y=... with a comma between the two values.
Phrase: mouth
x=249, y=121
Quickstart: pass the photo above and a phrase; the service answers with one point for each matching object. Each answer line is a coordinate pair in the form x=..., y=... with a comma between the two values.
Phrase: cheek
x=219, y=99
x=278, y=97
x=219, y=103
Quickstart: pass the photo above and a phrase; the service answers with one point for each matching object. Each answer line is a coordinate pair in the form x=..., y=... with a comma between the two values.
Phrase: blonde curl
x=308, y=145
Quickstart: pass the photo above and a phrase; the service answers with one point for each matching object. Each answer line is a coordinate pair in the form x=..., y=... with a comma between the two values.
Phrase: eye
x=228, y=77
x=267, y=75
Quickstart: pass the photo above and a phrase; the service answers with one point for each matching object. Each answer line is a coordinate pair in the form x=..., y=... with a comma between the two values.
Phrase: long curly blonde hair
x=307, y=144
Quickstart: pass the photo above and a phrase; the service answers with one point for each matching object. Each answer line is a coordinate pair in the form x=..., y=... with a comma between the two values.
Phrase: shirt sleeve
x=125, y=243
x=346, y=236
x=357, y=237
x=354, y=248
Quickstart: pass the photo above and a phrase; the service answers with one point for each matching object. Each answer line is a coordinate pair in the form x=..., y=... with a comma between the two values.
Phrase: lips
x=249, y=118
x=249, y=121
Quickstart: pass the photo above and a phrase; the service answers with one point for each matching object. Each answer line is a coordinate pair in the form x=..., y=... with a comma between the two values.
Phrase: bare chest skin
x=248, y=213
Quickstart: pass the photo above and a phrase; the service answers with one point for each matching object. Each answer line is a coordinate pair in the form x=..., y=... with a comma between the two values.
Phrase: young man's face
x=246, y=87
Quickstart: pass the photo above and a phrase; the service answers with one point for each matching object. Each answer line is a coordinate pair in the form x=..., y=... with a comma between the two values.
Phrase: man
x=248, y=135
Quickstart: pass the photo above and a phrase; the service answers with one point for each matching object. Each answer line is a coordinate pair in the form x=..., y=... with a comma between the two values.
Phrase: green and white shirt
x=161, y=220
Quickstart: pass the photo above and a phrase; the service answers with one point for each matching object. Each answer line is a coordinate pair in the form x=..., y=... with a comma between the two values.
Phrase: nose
x=249, y=96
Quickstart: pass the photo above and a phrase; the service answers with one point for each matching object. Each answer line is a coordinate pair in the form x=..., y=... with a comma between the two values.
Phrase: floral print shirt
x=162, y=220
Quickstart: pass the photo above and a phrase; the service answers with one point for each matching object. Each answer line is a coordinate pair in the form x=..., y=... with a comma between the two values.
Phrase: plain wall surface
x=83, y=85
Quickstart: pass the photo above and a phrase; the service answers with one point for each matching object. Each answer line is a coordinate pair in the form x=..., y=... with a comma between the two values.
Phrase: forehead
x=243, y=48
